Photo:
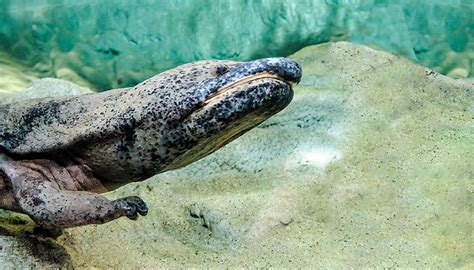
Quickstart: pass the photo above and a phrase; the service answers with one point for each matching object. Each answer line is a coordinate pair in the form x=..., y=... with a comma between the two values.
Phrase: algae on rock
x=18, y=250
x=13, y=76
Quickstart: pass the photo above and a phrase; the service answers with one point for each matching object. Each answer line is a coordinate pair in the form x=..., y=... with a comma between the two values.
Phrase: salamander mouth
x=236, y=86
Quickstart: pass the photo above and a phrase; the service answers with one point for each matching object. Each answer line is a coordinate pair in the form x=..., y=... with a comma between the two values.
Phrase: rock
x=19, y=249
x=458, y=73
x=21, y=252
x=47, y=87
x=116, y=44
x=367, y=167
x=14, y=76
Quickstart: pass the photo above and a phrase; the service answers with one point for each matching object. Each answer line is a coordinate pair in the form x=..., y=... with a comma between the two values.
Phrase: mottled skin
x=58, y=154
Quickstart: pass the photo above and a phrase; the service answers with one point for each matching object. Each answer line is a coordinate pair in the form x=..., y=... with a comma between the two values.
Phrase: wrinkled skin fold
x=58, y=154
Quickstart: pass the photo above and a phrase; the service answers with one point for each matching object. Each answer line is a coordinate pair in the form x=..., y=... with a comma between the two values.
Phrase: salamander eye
x=221, y=70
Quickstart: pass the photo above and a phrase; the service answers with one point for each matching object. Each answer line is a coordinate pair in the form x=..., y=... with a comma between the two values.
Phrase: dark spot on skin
x=155, y=157
x=37, y=201
x=221, y=70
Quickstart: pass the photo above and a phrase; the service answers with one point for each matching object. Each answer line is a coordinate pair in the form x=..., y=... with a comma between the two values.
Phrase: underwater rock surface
x=13, y=75
x=368, y=166
x=18, y=250
x=114, y=44
x=47, y=87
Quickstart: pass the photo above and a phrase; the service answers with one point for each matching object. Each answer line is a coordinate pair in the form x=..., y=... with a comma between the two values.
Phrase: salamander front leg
x=52, y=208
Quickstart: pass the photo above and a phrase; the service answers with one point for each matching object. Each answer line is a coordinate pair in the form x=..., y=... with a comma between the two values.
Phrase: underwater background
x=371, y=165
x=111, y=44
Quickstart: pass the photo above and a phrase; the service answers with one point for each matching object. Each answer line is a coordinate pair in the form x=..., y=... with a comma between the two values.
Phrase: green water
x=120, y=43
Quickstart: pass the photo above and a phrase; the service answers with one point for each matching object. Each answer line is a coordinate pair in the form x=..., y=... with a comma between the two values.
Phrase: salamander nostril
x=221, y=70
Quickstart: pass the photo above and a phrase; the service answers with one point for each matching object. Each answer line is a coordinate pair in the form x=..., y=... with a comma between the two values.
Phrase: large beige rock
x=47, y=87
x=370, y=165
x=19, y=249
